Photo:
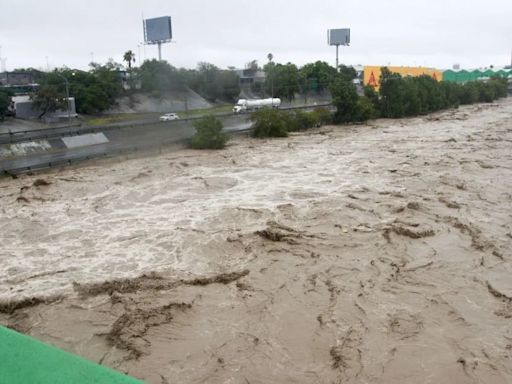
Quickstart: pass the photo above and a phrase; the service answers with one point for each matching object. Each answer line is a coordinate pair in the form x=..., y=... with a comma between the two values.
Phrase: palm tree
x=129, y=57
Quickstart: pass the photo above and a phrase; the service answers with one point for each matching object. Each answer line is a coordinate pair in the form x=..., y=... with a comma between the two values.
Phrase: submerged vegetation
x=209, y=134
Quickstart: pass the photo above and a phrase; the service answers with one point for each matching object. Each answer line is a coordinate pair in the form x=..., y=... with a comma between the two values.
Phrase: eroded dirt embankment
x=369, y=254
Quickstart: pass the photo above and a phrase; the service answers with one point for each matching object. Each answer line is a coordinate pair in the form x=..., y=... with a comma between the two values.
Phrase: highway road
x=122, y=137
x=124, y=140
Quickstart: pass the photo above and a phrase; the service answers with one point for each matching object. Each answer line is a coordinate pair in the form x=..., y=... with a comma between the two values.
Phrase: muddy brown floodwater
x=377, y=253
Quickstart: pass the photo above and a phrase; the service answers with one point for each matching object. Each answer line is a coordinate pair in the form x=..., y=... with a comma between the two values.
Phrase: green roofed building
x=24, y=360
x=464, y=76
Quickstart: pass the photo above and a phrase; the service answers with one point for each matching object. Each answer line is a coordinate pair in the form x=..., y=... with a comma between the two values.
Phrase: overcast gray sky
x=436, y=33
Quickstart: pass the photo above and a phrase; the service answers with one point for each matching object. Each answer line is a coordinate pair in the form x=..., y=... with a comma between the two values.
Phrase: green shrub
x=371, y=94
x=208, y=134
x=323, y=115
x=393, y=94
x=487, y=93
x=452, y=93
x=500, y=86
x=270, y=122
x=469, y=93
x=345, y=99
x=364, y=110
x=301, y=120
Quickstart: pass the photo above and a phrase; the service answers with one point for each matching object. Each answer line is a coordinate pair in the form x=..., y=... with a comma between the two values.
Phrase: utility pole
x=2, y=61
x=270, y=57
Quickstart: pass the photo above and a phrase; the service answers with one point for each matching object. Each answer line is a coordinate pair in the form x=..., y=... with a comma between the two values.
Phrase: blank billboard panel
x=338, y=36
x=158, y=29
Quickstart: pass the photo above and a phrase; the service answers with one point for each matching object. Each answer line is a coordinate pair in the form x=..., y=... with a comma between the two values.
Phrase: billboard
x=338, y=36
x=372, y=74
x=157, y=30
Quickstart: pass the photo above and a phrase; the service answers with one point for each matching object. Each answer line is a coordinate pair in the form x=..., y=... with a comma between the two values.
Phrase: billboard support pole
x=338, y=37
x=159, y=51
x=337, y=58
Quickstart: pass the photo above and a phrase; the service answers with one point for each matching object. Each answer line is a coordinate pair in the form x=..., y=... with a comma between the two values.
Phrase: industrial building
x=24, y=109
x=249, y=77
x=372, y=74
x=463, y=75
x=22, y=85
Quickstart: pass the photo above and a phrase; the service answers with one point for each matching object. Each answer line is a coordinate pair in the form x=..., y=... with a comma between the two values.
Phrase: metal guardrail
x=58, y=132
x=113, y=152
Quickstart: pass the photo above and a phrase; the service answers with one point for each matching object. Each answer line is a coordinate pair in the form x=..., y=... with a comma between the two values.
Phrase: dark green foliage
x=500, y=85
x=159, y=77
x=94, y=91
x=270, y=122
x=5, y=101
x=373, y=96
x=345, y=99
x=412, y=96
x=129, y=58
x=300, y=120
x=317, y=76
x=347, y=73
x=469, y=93
x=209, y=134
x=109, y=79
x=323, y=115
x=364, y=110
x=452, y=93
x=228, y=83
x=49, y=99
x=211, y=82
x=486, y=93
x=283, y=79
x=393, y=94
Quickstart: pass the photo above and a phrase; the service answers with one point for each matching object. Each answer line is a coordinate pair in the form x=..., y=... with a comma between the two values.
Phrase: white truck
x=244, y=105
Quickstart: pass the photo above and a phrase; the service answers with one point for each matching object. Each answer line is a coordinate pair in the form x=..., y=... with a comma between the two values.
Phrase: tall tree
x=344, y=98
x=49, y=99
x=160, y=77
x=129, y=57
x=285, y=79
x=318, y=76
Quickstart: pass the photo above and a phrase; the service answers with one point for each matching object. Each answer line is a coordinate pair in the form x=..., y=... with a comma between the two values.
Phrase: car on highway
x=169, y=117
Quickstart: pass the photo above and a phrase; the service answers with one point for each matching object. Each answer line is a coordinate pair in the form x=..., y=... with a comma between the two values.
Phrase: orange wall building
x=372, y=73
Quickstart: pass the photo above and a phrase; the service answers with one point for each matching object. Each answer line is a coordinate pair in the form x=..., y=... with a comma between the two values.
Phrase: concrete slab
x=85, y=140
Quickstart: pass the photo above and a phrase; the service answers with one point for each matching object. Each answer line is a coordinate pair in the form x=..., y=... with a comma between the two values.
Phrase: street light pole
x=270, y=57
x=69, y=101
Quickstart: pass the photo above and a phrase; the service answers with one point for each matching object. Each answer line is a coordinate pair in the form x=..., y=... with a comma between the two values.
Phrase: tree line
x=409, y=96
x=97, y=89
x=397, y=97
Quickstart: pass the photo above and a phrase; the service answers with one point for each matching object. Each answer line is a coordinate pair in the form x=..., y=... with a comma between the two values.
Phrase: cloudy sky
x=435, y=33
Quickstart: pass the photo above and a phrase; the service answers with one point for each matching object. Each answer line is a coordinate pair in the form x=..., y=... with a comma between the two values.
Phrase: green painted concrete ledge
x=24, y=360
